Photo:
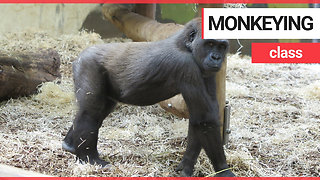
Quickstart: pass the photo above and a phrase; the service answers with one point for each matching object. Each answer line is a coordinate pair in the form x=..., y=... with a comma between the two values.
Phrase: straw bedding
x=275, y=121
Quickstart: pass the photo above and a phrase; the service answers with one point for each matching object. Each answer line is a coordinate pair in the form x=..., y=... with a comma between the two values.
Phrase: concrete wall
x=54, y=18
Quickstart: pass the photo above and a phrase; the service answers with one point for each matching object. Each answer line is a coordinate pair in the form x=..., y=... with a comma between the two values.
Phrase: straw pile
x=275, y=121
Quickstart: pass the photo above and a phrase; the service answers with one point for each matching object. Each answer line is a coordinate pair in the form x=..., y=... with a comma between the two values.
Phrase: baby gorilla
x=144, y=73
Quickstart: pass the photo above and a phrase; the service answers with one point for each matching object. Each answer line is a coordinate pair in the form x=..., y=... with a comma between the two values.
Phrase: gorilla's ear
x=190, y=38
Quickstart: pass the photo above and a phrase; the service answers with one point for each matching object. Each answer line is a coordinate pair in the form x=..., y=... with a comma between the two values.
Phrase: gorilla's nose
x=215, y=56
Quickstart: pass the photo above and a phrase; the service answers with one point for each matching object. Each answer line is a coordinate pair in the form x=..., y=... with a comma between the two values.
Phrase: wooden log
x=147, y=10
x=21, y=73
x=140, y=28
x=137, y=27
x=176, y=106
x=9, y=171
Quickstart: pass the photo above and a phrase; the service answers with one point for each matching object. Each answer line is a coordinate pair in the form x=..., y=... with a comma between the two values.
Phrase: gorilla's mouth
x=213, y=66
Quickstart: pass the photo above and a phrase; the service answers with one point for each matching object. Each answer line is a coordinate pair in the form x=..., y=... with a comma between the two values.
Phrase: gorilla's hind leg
x=82, y=137
x=67, y=143
x=85, y=133
x=93, y=93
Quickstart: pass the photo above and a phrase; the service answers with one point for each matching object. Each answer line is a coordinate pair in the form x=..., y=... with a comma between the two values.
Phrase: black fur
x=144, y=73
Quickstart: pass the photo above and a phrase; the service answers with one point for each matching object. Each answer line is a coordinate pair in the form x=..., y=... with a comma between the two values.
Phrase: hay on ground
x=275, y=121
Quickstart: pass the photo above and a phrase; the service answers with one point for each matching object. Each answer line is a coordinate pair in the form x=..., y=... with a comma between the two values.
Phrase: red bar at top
x=161, y=1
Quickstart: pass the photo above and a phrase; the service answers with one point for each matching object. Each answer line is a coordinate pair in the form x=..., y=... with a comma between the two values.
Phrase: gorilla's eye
x=192, y=35
x=222, y=46
x=211, y=44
